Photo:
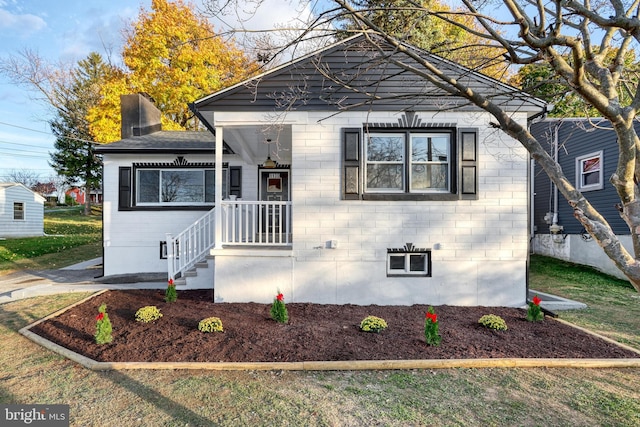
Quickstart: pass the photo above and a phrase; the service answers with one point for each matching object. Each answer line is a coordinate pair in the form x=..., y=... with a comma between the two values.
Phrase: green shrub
x=148, y=314
x=431, y=326
x=278, y=310
x=534, y=312
x=492, y=321
x=210, y=324
x=373, y=324
x=103, y=326
x=170, y=294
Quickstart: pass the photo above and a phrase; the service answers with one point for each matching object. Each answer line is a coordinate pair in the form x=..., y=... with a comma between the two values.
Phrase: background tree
x=25, y=177
x=540, y=80
x=173, y=55
x=585, y=45
x=45, y=189
x=69, y=91
x=414, y=22
x=74, y=158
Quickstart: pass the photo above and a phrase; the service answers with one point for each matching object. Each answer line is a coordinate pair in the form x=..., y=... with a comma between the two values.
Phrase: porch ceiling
x=254, y=142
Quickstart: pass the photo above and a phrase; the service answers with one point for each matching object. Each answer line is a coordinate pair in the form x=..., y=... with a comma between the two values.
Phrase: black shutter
x=235, y=181
x=124, y=188
x=351, y=164
x=468, y=163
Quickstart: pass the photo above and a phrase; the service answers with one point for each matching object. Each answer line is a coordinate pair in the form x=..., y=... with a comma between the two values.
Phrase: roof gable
x=309, y=83
x=18, y=188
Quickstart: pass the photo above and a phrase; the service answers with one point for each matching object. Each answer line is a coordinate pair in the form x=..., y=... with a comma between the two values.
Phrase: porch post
x=218, y=189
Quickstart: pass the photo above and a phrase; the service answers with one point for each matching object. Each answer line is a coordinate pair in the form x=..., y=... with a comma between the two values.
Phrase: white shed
x=21, y=211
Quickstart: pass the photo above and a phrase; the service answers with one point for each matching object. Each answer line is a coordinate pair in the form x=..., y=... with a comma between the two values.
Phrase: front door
x=274, y=187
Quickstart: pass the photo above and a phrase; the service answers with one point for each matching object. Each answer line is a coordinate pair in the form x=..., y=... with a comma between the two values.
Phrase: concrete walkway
x=555, y=303
x=82, y=277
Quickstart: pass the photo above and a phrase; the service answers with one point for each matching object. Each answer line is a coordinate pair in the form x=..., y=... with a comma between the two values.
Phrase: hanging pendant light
x=269, y=163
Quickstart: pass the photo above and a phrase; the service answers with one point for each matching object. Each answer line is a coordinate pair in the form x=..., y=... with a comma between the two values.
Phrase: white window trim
x=171, y=204
x=426, y=272
x=411, y=163
x=23, y=210
x=407, y=163
x=579, y=161
x=402, y=162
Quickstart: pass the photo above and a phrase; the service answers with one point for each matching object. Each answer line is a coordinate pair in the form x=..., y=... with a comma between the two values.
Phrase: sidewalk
x=82, y=277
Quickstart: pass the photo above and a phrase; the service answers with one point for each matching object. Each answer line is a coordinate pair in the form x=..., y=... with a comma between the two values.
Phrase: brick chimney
x=139, y=115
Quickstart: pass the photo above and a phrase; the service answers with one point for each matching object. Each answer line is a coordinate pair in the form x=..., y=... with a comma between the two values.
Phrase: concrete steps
x=198, y=277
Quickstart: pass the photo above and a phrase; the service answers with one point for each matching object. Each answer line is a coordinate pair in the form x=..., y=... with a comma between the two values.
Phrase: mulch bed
x=315, y=332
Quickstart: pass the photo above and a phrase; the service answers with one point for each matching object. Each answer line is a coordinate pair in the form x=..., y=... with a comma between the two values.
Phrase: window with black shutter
x=391, y=163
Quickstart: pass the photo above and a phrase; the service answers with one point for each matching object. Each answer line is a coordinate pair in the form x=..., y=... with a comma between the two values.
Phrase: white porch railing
x=191, y=245
x=256, y=223
x=243, y=223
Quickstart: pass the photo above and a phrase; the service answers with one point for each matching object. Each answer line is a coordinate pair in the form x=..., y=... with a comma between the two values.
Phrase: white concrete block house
x=401, y=201
x=21, y=211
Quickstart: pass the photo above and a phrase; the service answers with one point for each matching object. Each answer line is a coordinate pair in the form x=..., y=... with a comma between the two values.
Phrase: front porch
x=252, y=207
x=242, y=225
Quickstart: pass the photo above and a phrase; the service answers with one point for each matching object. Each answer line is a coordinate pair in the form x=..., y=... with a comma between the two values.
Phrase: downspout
x=530, y=186
x=555, y=229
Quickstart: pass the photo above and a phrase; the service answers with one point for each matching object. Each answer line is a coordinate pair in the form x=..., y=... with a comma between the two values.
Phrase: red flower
x=536, y=300
x=100, y=316
x=170, y=282
x=432, y=316
x=280, y=297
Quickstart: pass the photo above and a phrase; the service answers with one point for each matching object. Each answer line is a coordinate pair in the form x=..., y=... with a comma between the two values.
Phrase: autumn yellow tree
x=174, y=56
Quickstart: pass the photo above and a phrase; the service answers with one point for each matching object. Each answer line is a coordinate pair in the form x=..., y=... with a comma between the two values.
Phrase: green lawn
x=68, y=236
x=446, y=397
x=613, y=304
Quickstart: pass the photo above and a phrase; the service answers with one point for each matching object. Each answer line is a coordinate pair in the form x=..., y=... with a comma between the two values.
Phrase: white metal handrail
x=191, y=245
x=256, y=222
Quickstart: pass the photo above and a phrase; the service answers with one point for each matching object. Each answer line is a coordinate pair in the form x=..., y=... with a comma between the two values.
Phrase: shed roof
x=21, y=187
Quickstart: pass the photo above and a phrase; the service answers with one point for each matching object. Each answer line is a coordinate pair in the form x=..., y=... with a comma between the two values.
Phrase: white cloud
x=22, y=25
x=96, y=30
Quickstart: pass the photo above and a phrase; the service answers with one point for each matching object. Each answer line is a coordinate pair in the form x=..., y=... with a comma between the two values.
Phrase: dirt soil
x=315, y=332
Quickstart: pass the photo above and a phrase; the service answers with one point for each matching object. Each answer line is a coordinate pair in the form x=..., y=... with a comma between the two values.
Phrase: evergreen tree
x=74, y=157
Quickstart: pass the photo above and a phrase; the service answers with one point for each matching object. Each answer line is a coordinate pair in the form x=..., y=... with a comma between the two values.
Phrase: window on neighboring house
x=18, y=211
x=589, y=172
x=412, y=164
x=401, y=263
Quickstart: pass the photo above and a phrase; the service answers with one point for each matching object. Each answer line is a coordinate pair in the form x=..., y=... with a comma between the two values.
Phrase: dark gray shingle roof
x=163, y=142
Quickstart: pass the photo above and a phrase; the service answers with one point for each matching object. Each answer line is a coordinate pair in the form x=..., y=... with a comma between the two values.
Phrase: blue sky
x=59, y=31
x=62, y=30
